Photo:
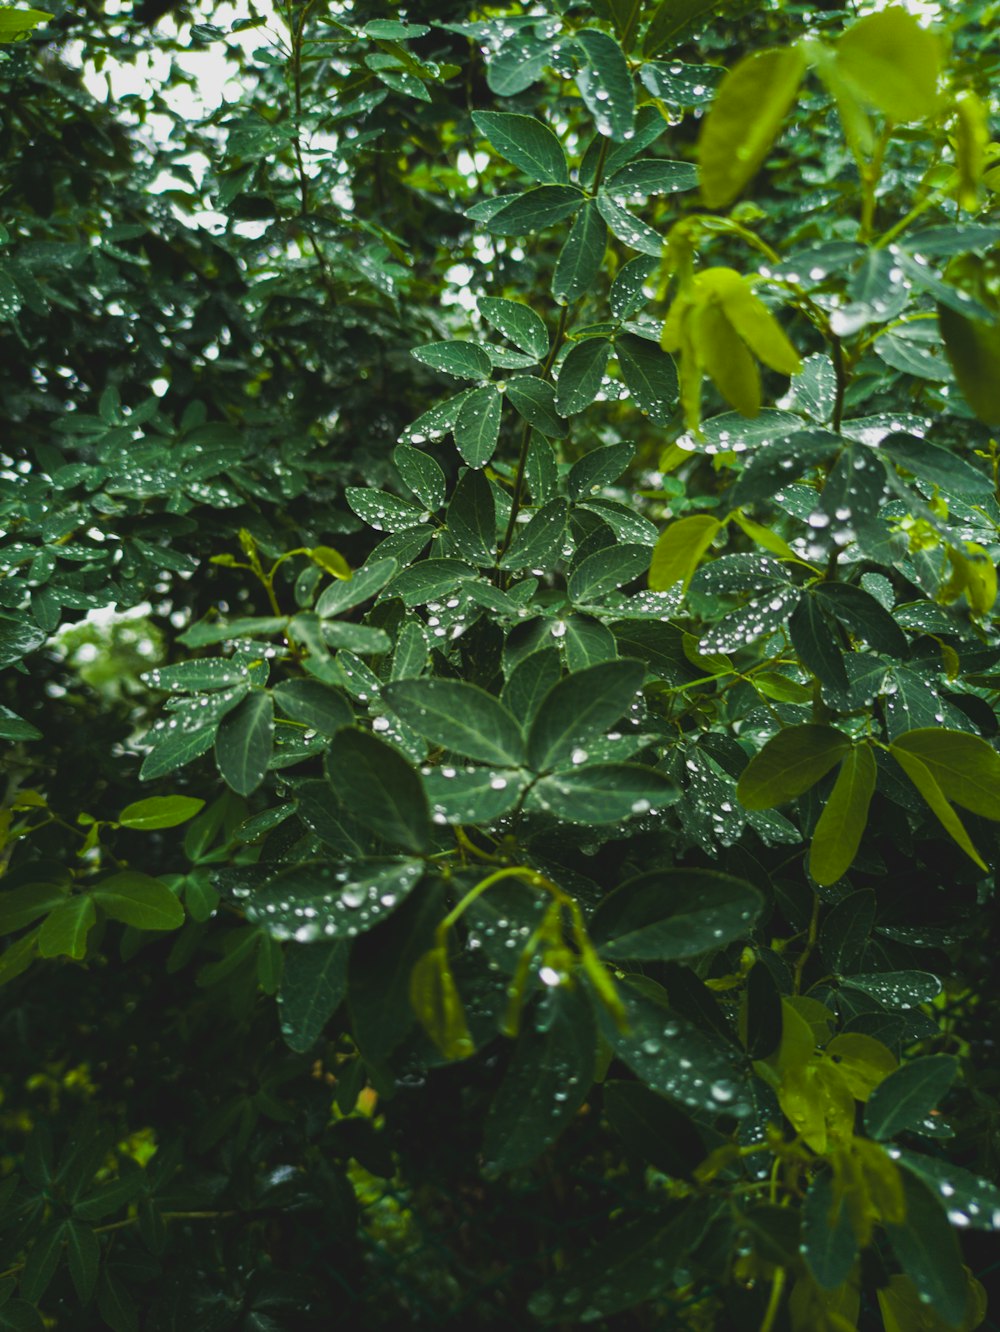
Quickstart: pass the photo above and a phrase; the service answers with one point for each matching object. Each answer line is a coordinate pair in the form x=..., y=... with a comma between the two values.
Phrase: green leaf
x=606, y=571
x=651, y=175
x=366, y=582
x=813, y=638
x=194, y=676
x=547, y=1080
x=600, y=793
x=743, y=121
x=842, y=824
x=845, y=930
x=907, y=1096
x=629, y=229
x=940, y=466
x=436, y=1002
x=22, y=906
x=964, y=766
x=928, y=1251
x=428, y=579
x=460, y=717
x=673, y=914
x=587, y=641
x=896, y=989
x=463, y=360
x=15, y=728
x=15, y=24
x=535, y=210
x=43, y=1258
x=581, y=707
x=517, y=322
x=597, y=469
x=314, y=704
x=244, y=742
x=671, y=18
x=20, y=1316
x=526, y=143
x=379, y=788
x=829, y=1245
x=173, y=749
x=627, y=291
x=892, y=63
x=472, y=795
x=139, y=900
x=382, y=512
x=538, y=542
x=116, y=1304
x=472, y=520
x=971, y=341
x=422, y=474
x=83, y=1256
x=528, y=683
x=160, y=812
x=650, y=376
x=681, y=85
x=923, y=779
x=790, y=763
x=605, y=83
x=679, y=549
x=535, y=400
x=581, y=256
x=581, y=375
x=478, y=426
x=313, y=986
x=970, y=1199
x=64, y=931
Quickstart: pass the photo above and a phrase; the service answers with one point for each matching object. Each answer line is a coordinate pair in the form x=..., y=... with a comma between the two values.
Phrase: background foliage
x=521, y=848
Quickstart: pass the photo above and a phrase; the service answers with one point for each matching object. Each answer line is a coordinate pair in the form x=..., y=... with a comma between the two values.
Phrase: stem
x=811, y=937
x=840, y=369
x=522, y=457
x=298, y=30
x=869, y=182
x=774, y=1303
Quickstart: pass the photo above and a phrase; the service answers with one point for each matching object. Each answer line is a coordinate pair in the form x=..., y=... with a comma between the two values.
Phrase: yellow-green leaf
x=726, y=359
x=743, y=122
x=678, y=550
x=893, y=63
x=330, y=561
x=17, y=23
x=922, y=778
x=64, y=931
x=964, y=766
x=863, y=1061
x=841, y=825
x=972, y=134
x=435, y=1000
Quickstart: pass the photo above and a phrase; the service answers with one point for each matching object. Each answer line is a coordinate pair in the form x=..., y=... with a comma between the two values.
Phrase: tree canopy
x=500, y=666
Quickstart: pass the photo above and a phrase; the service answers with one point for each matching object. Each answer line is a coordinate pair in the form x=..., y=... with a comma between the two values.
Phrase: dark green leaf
x=313, y=986
x=674, y=914
x=538, y=543
x=322, y=902
x=314, y=704
x=536, y=210
x=460, y=717
x=649, y=375
x=478, y=426
x=463, y=360
x=517, y=321
x=597, y=793
x=828, y=1243
x=652, y=1128
x=928, y=1252
x=671, y=19
x=581, y=256
x=528, y=144
x=581, y=375
x=471, y=523
x=606, y=570
x=909, y=1095
x=535, y=400
x=605, y=83
x=815, y=641
x=244, y=742
x=379, y=788
x=790, y=763
x=422, y=474
x=581, y=707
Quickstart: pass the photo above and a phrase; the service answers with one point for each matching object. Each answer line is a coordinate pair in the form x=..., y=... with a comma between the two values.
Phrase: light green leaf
x=313, y=986
x=461, y=717
x=244, y=742
x=893, y=63
x=744, y=120
x=379, y=788
x=790, y=763
x=527, y=143
x=15, y=24
x=671, y=914
x=581, y=256
x=478, y=426
x=160, y=812
x=842, y=824
x=581, y=707
x=650, y=376
x=679, y=549
x=435, y=999
x=65, y=930
x=518, y=323
x=22, y=906
x=139, y=900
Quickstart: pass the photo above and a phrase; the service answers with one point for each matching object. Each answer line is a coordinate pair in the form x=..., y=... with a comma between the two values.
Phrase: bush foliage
x=501, y=667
